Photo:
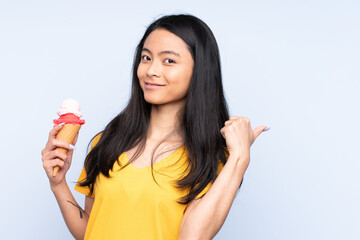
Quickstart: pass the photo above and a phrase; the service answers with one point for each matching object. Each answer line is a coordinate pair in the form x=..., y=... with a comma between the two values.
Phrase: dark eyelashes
x=171, y=61
x=147, y=58
x=142, y=57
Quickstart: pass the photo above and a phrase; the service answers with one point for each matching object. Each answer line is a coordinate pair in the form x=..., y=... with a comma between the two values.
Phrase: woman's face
x=165, y=68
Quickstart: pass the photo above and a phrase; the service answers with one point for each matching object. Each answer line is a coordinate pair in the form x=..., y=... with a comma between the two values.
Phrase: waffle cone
x=67, y=133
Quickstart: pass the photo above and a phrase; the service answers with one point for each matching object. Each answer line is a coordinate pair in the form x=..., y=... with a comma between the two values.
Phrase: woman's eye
x=168, y=60
x=145, y=58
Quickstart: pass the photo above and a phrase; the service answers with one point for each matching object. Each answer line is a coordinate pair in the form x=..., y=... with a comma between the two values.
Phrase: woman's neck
x=163, y=121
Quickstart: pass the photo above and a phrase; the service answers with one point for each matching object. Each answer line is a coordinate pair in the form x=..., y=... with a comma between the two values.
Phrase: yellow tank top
x=131, y=206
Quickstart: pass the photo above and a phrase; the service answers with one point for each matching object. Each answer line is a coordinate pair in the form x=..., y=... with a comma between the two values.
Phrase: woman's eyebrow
x=162, y=52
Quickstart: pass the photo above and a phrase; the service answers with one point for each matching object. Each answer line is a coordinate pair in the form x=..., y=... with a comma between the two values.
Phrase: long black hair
x=203, y=115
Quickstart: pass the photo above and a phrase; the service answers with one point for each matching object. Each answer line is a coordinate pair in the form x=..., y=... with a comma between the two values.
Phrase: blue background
x=291, y=65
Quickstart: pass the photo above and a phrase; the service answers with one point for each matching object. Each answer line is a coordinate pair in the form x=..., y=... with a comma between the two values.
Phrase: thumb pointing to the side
x=258, y=130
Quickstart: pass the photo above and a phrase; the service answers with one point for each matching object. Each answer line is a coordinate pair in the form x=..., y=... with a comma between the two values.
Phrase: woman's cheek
x=179, y=77
x=140, y=71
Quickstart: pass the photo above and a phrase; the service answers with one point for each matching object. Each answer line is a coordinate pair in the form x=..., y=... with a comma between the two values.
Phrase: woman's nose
x=154, y=70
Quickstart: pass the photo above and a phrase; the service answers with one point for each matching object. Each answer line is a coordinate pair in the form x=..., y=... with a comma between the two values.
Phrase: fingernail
x=72, y=146
x=60, y=124
x=266, y=129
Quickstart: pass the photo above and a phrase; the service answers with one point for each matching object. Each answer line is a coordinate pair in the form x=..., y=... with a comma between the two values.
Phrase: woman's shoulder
x=95, y=140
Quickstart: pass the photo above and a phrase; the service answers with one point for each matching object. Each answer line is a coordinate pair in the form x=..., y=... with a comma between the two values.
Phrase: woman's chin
x=154, y=101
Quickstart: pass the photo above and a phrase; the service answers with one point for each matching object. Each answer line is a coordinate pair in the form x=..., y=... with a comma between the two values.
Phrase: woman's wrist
x=240, y=155
x=58, y=187
x=240, y=159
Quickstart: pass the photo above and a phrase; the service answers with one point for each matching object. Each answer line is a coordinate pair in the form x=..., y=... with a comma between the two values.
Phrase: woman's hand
x=52, y=157
x=240, y=136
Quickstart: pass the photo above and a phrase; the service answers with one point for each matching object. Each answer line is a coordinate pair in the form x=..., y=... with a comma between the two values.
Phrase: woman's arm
x=75, y=217
x=204, y=217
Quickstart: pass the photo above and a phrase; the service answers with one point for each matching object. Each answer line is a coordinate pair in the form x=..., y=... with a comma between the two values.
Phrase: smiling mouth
x=148, y=84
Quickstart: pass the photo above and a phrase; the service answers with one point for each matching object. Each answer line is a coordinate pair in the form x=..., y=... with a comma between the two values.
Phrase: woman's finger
x=49, y=165
x=258, y=130
x=55, y=143
x=58, y=162
x=54, y=131
x=228, y=122
x=68, y=161
x=222, y=132
x=52, y=135
x=57, y=153
x=50, y=152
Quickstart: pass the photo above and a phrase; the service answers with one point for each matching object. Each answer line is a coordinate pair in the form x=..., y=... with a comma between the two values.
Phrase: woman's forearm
x=206, y=218
x=75, y=217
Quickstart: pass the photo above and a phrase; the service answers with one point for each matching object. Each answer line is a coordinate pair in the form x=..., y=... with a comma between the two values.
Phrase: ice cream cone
x=69, y=115
x=67, y=134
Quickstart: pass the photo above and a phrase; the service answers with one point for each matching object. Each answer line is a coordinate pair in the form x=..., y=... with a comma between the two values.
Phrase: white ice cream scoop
x=69, y=106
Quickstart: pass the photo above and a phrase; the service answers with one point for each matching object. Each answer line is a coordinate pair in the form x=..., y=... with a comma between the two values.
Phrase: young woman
x=170, y=164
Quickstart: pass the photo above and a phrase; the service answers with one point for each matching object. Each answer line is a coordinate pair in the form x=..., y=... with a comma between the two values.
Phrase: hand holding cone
x=67, y=134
